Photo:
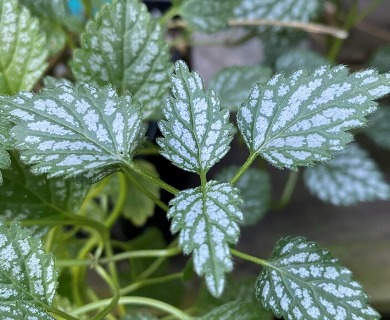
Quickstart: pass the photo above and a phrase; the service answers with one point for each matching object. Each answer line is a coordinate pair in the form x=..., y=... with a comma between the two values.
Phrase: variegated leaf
x=22, y=310
x=255, y=189
x=83, y=132
x=297, y=59
x=352, y=176
x=124, y=47
x=23, y=50
x=197, y=132
x=28, y=277
x=378, y=129
x=281, y=10
x=28, y=196
x=208, y=16
x=5, y=144
x=233, y=84
x=207, y=218
x=305, y=282
x=301, y=119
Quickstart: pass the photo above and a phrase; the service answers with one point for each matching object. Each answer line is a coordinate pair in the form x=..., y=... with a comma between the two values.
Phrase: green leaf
x=237, y=310
x=207, y=219
x=6, y=143
x=255, y=189
x=125, y=47
x=233, y=84
x=28, y=277
x=139, y=207
x=304, y=281
x=378, y=129
x=197, y=132
x=297, y=59
x=381, y=59
x=28, y=196
x=301, y=119
x=352, y=176
x=82, y=132
x=208, y=16
x=23, y=50
x=281, y=10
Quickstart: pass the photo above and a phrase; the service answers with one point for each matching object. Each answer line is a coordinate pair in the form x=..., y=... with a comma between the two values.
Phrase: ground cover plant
x=75, y=151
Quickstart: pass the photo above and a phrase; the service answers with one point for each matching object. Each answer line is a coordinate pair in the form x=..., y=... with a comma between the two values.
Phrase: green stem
x=88, y=9
x=169, y=14
x=149, y=282
x=118, y=257
x=150, y=195
x=114, y=301
x=348, y=24
x=115, y=214
x=288, y=190
x=244, y=167
x=60, y=313
x=147, y=175
x=135, y=301
x=249, y=258
x=156, y=264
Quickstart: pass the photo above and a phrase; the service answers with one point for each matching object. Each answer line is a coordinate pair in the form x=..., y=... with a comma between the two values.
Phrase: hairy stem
x=249, y=258
x=143, y=173
x=114, y=301
x=150, y=195
x=244, y=167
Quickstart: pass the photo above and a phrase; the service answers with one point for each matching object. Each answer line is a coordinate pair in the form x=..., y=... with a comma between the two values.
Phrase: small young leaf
x=297, y=59
x=28, y=196
x=303, y=281
x=347, y=179
x=208, y=221
x=255, y=189
x=381, y=59
x=233, y=84
x=83, y=132
x=28, y=276
x=197, y=132
x=281, y=10
x=23, y=50
x=124, y=47
x=208, y=16
x=237, y=310
x=298, y=120
x=378, y=129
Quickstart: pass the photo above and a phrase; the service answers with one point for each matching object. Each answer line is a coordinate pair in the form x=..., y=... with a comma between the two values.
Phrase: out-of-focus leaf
x=297, y=59
x=350, y=177
x=378, y=128
x=233, y=84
